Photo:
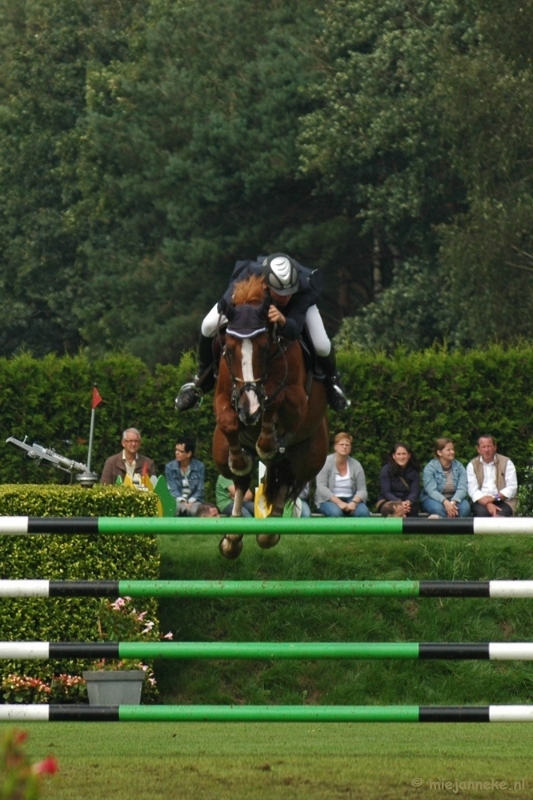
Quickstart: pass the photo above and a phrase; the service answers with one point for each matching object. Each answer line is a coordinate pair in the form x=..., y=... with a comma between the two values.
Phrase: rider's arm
x=295, y=315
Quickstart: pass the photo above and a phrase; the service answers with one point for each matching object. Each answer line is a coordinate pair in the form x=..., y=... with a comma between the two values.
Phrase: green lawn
x=265, y=761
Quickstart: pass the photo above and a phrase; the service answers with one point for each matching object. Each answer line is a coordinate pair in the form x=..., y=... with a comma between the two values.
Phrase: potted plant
x=112, y=682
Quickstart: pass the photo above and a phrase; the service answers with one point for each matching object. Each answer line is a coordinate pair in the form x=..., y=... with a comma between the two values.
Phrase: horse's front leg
x=267, y=444
x=240, y=462
x=230, y=545
x=287, y=413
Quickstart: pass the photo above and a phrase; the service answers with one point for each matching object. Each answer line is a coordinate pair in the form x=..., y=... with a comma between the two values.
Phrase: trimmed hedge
x=64, y=557
x=412, y=396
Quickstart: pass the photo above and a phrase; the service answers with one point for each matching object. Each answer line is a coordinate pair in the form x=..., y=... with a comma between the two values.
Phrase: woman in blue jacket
x=445, y=485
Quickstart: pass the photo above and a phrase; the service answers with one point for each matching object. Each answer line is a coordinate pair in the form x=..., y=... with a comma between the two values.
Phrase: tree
x=190, y=162
x=486, y=98
x=46, y=48
x=424, y=131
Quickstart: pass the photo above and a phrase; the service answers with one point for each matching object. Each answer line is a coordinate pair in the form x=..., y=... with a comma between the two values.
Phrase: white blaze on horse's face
x=247, y=362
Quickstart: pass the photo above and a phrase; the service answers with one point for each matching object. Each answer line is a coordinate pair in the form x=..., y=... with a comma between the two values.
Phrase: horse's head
x=247, y=349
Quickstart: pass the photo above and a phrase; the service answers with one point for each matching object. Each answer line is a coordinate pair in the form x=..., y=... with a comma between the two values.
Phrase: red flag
x=96, y=398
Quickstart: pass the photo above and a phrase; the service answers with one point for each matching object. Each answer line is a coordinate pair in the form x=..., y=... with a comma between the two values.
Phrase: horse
x=267, y=404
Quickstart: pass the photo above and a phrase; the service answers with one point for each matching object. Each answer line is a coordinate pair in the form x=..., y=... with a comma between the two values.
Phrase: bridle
x=257, y=385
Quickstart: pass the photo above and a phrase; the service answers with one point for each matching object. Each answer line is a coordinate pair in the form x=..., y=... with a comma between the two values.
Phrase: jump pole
x=266, y=589
x=139, y=713
x=484, y=651
x=249, y=525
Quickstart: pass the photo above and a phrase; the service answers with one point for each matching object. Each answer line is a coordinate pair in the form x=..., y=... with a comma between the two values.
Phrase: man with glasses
x=185, y=478
x=128, y=462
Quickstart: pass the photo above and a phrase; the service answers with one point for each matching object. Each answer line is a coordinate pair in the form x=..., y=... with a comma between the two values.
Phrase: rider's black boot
x=190, y=395
x=334, y=389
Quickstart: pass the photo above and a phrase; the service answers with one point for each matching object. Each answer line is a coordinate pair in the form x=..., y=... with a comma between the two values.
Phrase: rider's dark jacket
x=299, y=303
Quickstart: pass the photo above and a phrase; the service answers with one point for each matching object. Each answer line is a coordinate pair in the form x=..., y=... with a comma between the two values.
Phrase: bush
x=69, y=557
x=416, y=396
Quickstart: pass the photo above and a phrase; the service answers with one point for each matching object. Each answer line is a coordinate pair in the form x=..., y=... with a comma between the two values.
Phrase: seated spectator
x=444, y=479
x=492, y=482
x=393, y=508
x=128, y=462
x=340, y=484
x=207, y=510
x=225, y=495
x=185, y=478
x=400, y=480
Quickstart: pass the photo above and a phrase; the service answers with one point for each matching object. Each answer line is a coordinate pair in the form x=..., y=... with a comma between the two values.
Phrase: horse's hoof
x=267, y=540
x=241, y=465
x=230, y=548
x=266, y=455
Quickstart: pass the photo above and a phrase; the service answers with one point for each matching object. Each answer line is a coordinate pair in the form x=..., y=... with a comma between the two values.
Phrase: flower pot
x=114, y=687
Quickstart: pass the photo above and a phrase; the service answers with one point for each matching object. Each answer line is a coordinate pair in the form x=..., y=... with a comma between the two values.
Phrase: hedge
x=412, y=396
x=64, y=557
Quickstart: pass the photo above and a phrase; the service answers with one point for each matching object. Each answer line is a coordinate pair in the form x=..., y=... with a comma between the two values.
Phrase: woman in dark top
x=400, y=479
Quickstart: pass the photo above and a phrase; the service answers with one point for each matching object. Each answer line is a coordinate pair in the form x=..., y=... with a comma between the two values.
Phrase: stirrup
x=336, y=396
x=189, y=396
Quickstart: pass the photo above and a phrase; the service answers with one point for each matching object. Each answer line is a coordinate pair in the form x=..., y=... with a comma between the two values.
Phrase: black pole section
x=84, y=650
x=63, y=525
x=450, y=652
x=84, y=589
x=426, y=526
x=83, y=714
x=454, y=714
x=454, y=589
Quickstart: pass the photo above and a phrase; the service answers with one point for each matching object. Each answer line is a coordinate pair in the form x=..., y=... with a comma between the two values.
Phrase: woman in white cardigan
x=340, y=484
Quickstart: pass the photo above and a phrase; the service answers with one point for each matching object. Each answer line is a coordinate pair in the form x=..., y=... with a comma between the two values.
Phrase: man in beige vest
x=492, y=483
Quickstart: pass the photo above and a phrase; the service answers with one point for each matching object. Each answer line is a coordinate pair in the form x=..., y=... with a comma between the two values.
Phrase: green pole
x=269, y=588
x=261, y=650
x=221, y=526
x=269, y=713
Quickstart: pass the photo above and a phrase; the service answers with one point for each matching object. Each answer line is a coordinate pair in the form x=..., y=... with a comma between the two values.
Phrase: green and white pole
x=315, y=714
x=249, y=525
x=492, y=651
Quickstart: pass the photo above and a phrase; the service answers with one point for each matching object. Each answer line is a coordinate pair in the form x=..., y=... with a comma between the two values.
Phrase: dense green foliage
x=425, y=129
x=144, y=147
x=64, y=557
x=73, y=501
x=412, y=396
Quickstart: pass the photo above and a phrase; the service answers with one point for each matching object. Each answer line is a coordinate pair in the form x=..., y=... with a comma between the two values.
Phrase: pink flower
x=118, y=604
x=168, y=635
x=148, y=627
x=48, y=766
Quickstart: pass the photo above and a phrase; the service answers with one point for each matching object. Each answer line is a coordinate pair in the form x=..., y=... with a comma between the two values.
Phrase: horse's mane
x=250, y=291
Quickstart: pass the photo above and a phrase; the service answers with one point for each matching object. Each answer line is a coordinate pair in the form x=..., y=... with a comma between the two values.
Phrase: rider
x=294, y=290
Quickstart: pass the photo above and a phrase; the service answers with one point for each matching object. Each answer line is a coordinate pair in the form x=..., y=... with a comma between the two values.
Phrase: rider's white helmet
x=280, y=274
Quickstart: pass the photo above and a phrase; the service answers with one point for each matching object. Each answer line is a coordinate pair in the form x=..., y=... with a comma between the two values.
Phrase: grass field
x=374, y=761
x=294, y=761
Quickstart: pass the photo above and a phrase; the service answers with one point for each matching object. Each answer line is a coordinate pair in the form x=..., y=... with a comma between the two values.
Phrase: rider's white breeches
x=317, y=332
x=313, y=321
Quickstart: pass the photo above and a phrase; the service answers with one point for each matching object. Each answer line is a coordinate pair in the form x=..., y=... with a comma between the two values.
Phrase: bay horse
x=266, y=405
